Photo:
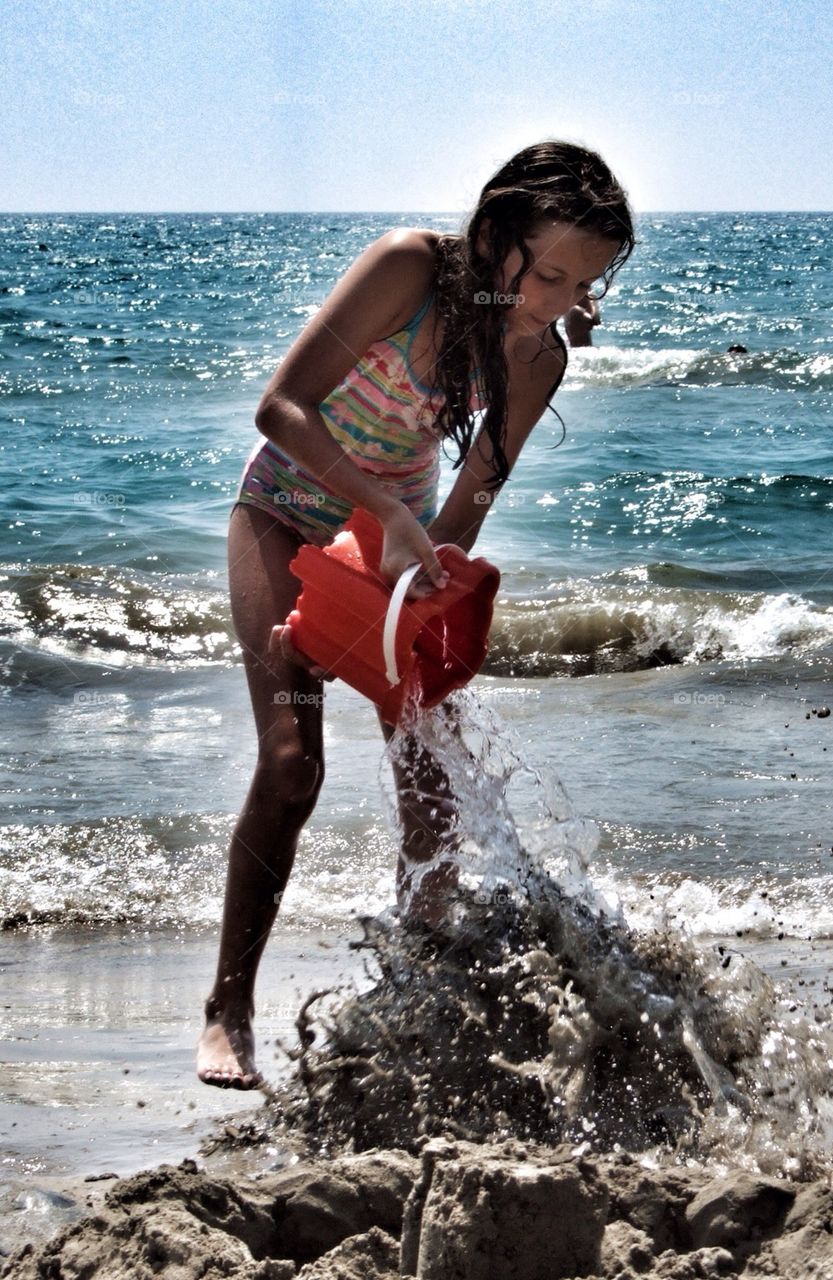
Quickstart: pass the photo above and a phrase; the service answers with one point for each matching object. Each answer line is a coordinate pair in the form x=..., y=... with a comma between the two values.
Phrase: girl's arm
x=469, y=501
x=376, y=295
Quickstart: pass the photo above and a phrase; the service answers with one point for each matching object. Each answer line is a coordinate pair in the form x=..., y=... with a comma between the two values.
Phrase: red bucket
x=349, y=621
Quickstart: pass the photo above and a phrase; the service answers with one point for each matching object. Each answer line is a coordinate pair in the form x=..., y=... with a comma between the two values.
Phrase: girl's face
x=566, y=262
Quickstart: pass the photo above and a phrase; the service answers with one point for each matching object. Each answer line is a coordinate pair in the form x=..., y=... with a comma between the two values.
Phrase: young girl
x=421, y=331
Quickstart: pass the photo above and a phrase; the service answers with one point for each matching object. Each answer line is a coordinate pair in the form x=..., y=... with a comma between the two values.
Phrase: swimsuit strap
x=413, y=324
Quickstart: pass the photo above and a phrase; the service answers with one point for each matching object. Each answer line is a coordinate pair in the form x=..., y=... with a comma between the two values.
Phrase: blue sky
x=145, y=105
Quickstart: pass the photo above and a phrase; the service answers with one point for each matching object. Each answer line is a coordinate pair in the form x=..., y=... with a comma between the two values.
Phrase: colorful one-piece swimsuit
x=383, y=417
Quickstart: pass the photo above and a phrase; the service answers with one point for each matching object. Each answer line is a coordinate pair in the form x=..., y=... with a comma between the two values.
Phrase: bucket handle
x=392, y=616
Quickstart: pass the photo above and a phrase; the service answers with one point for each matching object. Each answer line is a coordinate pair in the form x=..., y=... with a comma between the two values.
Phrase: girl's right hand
x=406, y=543
x=280, y=645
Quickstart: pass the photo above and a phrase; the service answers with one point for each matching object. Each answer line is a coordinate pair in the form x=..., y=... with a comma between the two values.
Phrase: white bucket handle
x=393, y=614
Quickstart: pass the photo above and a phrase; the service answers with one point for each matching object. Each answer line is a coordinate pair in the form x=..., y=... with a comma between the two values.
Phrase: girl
x=421, y=331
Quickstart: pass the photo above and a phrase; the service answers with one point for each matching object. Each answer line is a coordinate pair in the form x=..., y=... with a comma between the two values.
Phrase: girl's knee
x=292, y=774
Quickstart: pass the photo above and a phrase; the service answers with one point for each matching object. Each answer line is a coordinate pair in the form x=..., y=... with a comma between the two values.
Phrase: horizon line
x=344, y=213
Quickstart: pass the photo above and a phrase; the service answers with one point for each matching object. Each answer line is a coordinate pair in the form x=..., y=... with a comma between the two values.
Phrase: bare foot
x=225, y=1053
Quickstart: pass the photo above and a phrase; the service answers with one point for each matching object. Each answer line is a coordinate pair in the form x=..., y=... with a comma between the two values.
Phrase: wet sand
x=99, y=1038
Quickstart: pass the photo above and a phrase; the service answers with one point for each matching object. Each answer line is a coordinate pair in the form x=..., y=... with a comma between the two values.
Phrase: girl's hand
x=280, y=645
x=407, y=543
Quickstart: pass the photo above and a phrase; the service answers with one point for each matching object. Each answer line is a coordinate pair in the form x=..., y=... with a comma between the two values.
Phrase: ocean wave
x=596, y=626
x=759, y=910
x=169, y=871
x=611, y=366
x=687, y=494
x=117, y=871
x=105, y=615
x=65, y=625
x=777, y=522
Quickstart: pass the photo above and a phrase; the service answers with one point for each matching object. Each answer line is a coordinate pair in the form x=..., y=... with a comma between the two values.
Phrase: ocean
x=660, y=656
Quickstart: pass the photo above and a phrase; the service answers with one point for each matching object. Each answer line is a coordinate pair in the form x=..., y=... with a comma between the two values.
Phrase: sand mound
x=462, y=1211
x=480, y=1108
x=181, y=1223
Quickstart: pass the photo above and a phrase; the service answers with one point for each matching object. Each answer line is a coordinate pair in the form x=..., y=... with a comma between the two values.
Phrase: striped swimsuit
x=383, y=417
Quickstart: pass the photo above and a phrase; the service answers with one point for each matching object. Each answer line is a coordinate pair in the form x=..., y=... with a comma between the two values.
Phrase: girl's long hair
x=550, y=180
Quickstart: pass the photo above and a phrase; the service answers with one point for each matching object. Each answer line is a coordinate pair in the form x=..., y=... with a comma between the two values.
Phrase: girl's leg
x=426, y=812
x=287, y=705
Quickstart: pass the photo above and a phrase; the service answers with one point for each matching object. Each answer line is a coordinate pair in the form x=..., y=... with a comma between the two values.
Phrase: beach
x=269, y=1195
x=658, y=680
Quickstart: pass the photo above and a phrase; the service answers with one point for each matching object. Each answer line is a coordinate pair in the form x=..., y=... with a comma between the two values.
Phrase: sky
x=409, y=106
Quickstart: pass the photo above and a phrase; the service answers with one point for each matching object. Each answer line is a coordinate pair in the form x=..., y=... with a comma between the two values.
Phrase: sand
x=459, y=1211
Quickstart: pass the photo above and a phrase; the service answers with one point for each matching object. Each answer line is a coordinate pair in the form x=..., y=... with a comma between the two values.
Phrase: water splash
x=533, y=1011
x=483, y=766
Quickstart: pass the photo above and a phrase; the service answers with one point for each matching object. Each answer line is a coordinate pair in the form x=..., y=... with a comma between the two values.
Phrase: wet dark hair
x=550, y=180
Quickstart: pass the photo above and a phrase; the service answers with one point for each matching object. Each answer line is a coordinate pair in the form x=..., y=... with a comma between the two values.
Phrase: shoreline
x=99, y=1071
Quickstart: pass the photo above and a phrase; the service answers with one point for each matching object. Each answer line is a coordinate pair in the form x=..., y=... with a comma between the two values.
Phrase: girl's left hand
x=406, y=543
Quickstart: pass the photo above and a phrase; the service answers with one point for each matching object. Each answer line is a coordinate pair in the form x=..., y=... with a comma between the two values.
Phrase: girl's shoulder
x=414, y=250
x=416, y=247
x=420, y=241
x=419, y=236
